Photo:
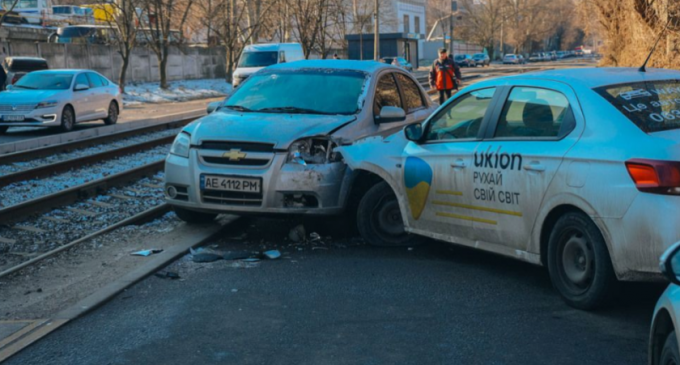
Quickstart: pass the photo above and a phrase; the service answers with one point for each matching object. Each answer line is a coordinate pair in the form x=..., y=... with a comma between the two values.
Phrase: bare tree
x=164, y=16
x=122, y=16
x=481, y=21
x=308, y=21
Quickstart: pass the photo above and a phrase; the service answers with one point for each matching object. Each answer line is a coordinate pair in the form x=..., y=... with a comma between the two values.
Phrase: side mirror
x=214, y=106
x=81, y=87
x=391, y=114
x=669, y=263
x=414, y=132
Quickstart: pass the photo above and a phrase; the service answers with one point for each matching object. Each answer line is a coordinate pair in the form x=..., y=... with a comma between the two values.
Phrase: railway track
x=125, y=191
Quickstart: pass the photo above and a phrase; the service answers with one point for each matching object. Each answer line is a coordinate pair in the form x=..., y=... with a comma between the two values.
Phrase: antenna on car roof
x=643, y=68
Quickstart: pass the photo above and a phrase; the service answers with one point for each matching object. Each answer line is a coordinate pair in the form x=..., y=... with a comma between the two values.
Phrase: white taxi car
x=577, y=170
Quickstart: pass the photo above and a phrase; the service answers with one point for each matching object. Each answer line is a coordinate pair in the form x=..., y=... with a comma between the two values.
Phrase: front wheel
x=379, y=219
x=193, y=217
x=68, y=119
x=112, y=117
x=579, y=264
x=670, y=353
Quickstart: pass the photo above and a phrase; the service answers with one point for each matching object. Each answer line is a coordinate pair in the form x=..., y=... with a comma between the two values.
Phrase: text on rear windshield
x=653, y=106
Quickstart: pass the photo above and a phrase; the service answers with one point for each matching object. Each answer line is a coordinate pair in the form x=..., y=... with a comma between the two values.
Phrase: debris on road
x=147, y=252
x=272, y=255
x=297, y=233
x=167, y=275
x=237, y=255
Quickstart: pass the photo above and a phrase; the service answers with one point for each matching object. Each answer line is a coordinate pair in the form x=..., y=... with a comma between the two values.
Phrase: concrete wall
x=183, y=63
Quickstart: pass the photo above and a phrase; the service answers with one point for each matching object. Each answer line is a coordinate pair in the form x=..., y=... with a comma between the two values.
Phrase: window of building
x=416, y=24
x=407, y=28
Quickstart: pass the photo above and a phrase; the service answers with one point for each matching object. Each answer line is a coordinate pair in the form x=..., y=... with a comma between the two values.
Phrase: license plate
x=228, y=183
x=13, y=118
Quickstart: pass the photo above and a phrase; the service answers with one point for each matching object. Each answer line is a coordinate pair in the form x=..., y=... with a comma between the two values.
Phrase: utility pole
x=376, y=44
x=454, y=9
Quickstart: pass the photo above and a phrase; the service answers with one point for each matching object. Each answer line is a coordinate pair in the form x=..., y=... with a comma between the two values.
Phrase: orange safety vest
x=445, y=76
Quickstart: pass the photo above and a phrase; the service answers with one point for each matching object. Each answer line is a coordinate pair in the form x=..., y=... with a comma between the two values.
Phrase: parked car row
x=478, y=59
x=513, y=59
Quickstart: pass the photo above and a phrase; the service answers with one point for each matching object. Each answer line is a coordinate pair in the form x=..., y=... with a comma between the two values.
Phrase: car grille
x=242, y=162
x=243, y=146
x=232, y=198
x=8, y=108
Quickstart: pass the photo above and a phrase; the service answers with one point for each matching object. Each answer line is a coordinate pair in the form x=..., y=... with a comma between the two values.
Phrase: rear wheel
x=3, y=129
x=579, y=263
x=379, y=219
x=193, y=217
x=68, y=119
x=112, y=117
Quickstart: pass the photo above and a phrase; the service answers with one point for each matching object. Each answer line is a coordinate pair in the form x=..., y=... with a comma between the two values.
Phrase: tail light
x=15, y=78
x=654, y=176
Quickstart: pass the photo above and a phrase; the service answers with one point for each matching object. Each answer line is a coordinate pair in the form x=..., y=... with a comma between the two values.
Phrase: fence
x=183, y=63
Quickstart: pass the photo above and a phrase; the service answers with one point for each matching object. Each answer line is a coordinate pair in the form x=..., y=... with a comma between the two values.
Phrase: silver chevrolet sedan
x=59, y=98
x=269, y=148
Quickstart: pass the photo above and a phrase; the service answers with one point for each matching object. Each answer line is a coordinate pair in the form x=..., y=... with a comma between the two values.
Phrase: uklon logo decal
x=418, y=179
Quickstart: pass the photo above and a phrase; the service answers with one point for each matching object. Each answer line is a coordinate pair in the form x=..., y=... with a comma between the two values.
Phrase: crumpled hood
x=279, y=129
x=27, y=96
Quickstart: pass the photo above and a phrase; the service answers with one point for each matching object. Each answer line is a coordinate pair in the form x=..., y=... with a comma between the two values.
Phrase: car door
x=98, y=96
x=414, y=102
x=521, y=152
x=82, y=99
x=438, y=169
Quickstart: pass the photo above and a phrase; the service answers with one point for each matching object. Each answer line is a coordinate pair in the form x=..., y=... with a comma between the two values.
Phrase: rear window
x=653, y=106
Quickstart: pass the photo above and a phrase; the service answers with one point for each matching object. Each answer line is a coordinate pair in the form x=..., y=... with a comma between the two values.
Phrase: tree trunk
x=123, y=72
x=162, y=71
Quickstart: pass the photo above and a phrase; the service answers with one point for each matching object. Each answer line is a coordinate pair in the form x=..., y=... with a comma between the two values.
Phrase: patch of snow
x=178, y=91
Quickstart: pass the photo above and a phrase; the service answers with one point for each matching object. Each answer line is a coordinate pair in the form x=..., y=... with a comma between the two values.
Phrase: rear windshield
x=653, y=106
x=75, y=32
x=27, y=65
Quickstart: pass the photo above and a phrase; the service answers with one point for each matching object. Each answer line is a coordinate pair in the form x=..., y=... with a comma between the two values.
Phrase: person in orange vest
x=444, y=76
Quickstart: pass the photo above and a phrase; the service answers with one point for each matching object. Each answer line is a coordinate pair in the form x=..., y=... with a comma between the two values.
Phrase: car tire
x=68, y=119
x=579, y=263
x=112, y=116
x=379, y=219
x=670, y=354
x=3, y=129
x=193, y=217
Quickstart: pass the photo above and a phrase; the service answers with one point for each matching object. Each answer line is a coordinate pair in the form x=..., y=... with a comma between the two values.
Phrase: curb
x=33, y=143
x=193, y=236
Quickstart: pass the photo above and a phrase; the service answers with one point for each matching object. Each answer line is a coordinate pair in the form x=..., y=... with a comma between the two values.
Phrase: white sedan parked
x=59, y=98
x=577, y=170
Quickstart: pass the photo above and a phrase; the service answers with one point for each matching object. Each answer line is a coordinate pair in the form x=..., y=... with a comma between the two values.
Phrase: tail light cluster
x=655, y=176
x=15, y=78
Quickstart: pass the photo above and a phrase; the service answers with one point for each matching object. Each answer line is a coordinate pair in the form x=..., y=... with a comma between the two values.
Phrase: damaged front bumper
x=287, y=188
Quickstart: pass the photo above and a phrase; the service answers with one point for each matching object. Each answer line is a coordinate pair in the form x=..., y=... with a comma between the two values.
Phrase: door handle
x=534, y=166
x=458, y=164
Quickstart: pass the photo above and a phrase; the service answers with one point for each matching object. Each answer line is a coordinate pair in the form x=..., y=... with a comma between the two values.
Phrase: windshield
x=61, y=10
x=479, y=55
x=653, y=106
x=305, y=91
x=459, y=57
x=258, y=59
x=44, y=81
x=76, y=32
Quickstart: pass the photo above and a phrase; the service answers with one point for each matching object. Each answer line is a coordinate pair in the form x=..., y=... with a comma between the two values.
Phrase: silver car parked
x=59, y=98
x=269, y=148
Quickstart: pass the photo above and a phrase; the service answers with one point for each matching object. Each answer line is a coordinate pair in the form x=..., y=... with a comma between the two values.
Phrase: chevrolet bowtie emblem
x=234, y=154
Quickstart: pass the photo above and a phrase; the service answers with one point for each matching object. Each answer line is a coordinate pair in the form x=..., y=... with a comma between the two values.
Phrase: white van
x=258, y=56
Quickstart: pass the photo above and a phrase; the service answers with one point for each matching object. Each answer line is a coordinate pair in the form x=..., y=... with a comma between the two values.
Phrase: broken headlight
x=312, y=151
